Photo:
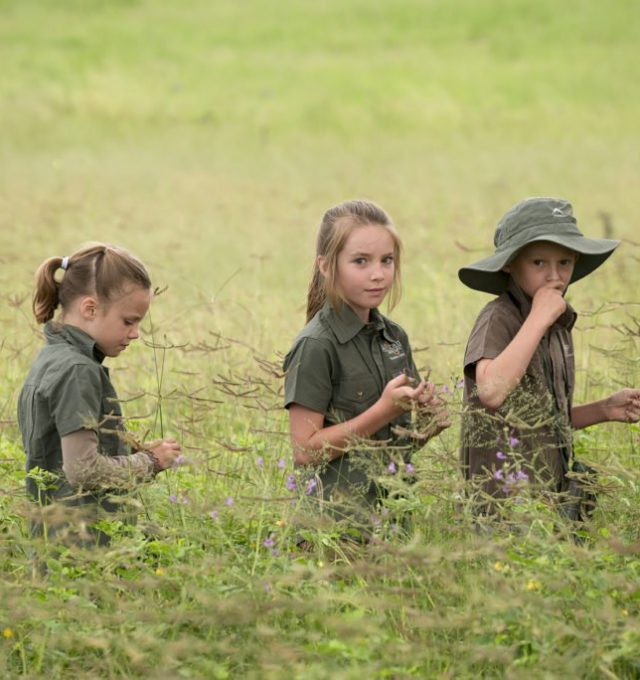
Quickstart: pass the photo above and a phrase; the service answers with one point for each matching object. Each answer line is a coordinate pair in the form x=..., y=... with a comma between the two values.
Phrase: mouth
x=375, y=291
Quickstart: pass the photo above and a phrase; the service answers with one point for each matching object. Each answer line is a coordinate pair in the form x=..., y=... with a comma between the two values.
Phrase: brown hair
x=95, y=269
x=336, y=226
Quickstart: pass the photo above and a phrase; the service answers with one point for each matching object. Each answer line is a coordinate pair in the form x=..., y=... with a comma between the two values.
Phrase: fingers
x=399, y=380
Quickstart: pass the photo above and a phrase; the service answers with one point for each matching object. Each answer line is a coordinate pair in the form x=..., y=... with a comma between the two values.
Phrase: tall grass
x=209, y=138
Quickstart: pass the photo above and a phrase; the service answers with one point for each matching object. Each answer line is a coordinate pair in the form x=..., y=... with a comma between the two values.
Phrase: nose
x=553, y=273
x=134, y=332
x=377, y=273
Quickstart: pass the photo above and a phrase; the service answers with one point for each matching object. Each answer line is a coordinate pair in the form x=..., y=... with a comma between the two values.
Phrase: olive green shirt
x=339, y=366
x=531, y=431
x=68, y=389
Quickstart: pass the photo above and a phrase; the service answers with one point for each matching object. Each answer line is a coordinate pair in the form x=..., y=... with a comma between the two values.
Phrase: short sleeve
x=76, y=400
x=308, y=376
x=491, y=334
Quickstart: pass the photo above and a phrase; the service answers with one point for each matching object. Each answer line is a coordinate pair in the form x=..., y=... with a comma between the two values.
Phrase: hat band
x=529, y=234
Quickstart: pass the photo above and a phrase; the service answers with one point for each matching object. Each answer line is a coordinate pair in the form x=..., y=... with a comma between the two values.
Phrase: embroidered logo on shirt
x=392, y=349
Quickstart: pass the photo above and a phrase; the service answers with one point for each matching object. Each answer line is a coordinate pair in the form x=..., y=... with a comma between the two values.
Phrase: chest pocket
x=354, y=394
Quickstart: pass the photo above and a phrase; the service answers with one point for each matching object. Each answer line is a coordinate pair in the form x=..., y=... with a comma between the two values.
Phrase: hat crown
x=522, y=219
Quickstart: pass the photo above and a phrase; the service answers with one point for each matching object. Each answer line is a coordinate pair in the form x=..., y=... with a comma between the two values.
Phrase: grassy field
x=209, y=137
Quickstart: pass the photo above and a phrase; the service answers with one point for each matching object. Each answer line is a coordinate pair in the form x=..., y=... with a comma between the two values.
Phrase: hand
x=433, y=416
x=165, y=452
x=623, y=406
x=398, y=395
x=548, y=304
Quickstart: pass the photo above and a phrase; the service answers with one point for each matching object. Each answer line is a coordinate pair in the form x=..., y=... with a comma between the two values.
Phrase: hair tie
x=64, y=265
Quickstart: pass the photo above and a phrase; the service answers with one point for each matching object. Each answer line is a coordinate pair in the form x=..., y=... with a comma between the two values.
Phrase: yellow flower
x=498, y=566
x=159, y=571
x=625, y=612
x=7, y=633
x=280, y=523
x=320, y=564
x=532, y=584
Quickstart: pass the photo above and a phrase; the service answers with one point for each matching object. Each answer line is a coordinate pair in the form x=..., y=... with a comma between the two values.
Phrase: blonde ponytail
x=95, y=269
x=46, y=297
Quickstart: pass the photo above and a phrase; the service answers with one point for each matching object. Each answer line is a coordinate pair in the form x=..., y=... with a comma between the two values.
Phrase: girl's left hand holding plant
x=432, y=412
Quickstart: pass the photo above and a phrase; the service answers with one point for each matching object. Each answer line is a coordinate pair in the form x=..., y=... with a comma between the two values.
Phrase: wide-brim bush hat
x=535, y=219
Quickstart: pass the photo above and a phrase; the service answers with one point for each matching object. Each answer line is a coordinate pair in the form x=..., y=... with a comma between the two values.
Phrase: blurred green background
x=209, y=138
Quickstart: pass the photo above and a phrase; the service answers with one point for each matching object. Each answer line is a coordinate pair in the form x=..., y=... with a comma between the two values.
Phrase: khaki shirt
x=339, y=366
x=68, y=389
x=537, y=413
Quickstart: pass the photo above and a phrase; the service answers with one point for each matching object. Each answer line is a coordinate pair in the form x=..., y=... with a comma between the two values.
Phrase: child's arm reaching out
x=85, y=467
x=312, y=443
x=497, y=378
x=622, y=406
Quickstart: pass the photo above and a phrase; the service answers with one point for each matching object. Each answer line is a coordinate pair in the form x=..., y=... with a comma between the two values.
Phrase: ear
x=88, y=307
x=322, y=265
x=507, y=269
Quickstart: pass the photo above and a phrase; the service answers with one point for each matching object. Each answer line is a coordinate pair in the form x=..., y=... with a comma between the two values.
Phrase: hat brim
x=487, y=276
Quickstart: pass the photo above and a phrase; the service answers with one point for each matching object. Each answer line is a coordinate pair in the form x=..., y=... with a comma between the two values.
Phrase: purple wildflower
x=275, y=552
x=214, y=515
x=409, y=469
x=460, y=383
x=281, y=463
x=522, y=476
x=311, y=485
x=501, y=456
x=445, y=389
x=513, y=442
x=259, y=461
x=290, y=484
x=391, y=468
x=173, y=498
x=229, y=501
x=499, y=475
x=268, y=542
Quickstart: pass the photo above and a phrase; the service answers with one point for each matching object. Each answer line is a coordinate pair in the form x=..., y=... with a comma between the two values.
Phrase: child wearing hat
x=519, y=370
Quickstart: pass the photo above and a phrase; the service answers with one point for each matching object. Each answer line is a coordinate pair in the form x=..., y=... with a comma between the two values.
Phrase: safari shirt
x=532, y=429
x=68, y=389
x=339, y=366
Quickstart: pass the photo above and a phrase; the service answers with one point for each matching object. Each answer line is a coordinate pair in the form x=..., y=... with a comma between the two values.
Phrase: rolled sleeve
x=491, y=334
x=308, y=376
x=75, y=401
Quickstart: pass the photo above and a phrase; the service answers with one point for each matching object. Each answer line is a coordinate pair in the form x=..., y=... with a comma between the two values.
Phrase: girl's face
x=365, y=268
x=116, y=324
x=542, y=263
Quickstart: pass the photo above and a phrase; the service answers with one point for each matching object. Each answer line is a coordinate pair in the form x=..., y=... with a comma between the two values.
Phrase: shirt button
x=360, y=393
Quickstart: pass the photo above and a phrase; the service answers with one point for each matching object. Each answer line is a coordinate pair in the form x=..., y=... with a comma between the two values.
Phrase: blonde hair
x=336, y=227
x=95, y=269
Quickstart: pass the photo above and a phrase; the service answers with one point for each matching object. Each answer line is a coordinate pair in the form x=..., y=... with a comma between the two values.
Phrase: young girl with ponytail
x=351, y=383
x=68, y=410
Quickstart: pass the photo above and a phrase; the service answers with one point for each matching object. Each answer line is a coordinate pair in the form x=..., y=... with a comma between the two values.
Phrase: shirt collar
x=346, y=324
x=57, y=333
x=567, y=319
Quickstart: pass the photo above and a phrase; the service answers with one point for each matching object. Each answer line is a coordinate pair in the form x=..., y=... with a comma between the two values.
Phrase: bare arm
x=312, y=443
x=84, y=466
x=497, y=378
x=622, y=406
